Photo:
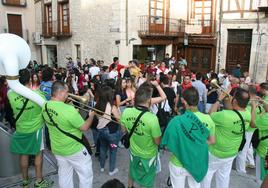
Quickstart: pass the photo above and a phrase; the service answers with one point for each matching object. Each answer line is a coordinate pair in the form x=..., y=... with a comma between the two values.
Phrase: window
x=64, y=18
x=157, y=11
x=78, y=51
x=48, y=20
x=15, y=24
x=202, y=10
x=20, y=3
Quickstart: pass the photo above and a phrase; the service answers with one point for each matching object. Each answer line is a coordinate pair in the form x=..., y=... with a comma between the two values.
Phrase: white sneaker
x=102, y=169
x=113, y=172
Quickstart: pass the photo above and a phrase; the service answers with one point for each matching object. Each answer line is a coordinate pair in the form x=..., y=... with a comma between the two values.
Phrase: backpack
x=162, y=115
x=255, y=140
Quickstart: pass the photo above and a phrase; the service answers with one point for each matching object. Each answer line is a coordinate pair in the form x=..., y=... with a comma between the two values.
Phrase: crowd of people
x=205, y=126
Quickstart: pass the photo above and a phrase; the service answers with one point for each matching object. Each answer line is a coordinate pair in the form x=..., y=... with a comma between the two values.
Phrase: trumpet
x=83, y=100
x=214, y=83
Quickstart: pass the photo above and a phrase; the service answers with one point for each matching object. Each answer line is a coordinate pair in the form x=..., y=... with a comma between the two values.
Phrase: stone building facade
x=18, y=17
x=199, y=30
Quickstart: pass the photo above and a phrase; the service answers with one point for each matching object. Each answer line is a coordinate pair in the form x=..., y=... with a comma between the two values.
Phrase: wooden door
x=15, y=24
x=13, y=2
x=199, y=59
x=157, y=16
x=238, y=49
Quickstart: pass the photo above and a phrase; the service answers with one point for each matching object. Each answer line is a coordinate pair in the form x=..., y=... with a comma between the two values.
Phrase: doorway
x=238, y=49
x=52, y=56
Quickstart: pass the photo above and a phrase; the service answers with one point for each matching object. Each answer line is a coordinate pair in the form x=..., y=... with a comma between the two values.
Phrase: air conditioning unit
x=36, y=38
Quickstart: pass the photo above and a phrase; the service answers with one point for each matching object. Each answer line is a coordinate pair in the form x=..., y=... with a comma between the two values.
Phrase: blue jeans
x=201, y=107
x=108, y=141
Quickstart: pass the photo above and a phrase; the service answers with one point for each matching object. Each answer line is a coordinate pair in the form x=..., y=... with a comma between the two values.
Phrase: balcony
x=201, y=27
x=58, y=29
x=155, y=26
x=17, y=3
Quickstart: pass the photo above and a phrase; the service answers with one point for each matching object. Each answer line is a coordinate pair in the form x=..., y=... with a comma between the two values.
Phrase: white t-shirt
x=94, y=71
x=113, y=74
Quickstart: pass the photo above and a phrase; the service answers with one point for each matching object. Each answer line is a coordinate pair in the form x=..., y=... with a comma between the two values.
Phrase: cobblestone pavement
x=237, y=180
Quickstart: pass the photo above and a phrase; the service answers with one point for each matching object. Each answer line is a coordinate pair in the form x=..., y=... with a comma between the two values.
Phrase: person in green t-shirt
x=70, y=154
x=179, y=168
x=228, y=135
x=247, y=151
x=264, y=90
x=28, y=138
x=145, y=139
x=261, y=123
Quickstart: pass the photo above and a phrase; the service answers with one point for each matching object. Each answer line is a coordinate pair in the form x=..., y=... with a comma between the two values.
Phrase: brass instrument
x=83, y=100
x=214, y=83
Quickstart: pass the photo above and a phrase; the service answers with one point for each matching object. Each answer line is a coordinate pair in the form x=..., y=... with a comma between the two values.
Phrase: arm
x=119, y=102
x=88, y=122
x=162, y=94
x=253, y=114
x=115, y=113
x=211, y=140
x=157, y=140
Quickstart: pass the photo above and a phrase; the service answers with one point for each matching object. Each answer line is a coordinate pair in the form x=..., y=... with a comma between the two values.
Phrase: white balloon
x=15, y=54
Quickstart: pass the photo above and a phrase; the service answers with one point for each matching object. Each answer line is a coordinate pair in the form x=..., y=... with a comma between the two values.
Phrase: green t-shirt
x=31, y=118
x=261, y=123
x=69, y=120
x=228, y=132
x=142, y=141
x=207, y=121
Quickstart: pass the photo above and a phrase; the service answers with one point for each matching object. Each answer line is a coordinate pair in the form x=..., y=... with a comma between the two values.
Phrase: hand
x=91, y=113
x=155, y=83
x=128, y=99
x=222, y=96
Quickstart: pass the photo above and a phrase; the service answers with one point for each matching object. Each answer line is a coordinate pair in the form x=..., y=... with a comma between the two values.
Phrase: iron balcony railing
x=57, y=28
x=160, y=26
x=19, y=3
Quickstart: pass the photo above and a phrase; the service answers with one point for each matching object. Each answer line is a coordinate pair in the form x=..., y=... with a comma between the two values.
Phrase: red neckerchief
x=162, y=70
x=186, y=86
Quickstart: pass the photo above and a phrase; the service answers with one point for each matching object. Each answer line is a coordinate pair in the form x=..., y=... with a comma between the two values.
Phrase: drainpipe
x=126, y=22
x=219, y=38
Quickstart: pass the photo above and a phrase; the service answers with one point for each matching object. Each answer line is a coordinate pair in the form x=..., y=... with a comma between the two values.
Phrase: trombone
x=214, y=83
x=82, y=100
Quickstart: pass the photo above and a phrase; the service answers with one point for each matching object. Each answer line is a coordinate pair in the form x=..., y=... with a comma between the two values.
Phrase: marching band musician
x=70, y=154
x=261, y=123
x=228, y=135
x=28, y=138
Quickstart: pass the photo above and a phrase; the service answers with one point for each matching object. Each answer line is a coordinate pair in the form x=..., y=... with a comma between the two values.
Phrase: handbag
x=126, y=138
x=83, y=140
x=243, y=142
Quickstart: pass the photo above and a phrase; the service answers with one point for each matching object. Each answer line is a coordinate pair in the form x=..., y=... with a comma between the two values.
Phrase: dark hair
x=143, y=94
x=165, y=80
x=104, y=68
x=191, y=96
x=114, y=183
x=38, y=80
x=242, y=97
x=199, y=76
x=264, y=85
x=47, y=74
x=118, y=86
x=115, y=59
x=252, y=90
x=106, y=95
x=2, y=81
x=57, y=86
x=113, y=66
x=25, y=76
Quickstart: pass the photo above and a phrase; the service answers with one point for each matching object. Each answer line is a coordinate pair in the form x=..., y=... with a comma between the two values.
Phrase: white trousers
x=81, y=163
x=242, y=155
x=178, y=177
x=258, y=169
x=221, y=168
